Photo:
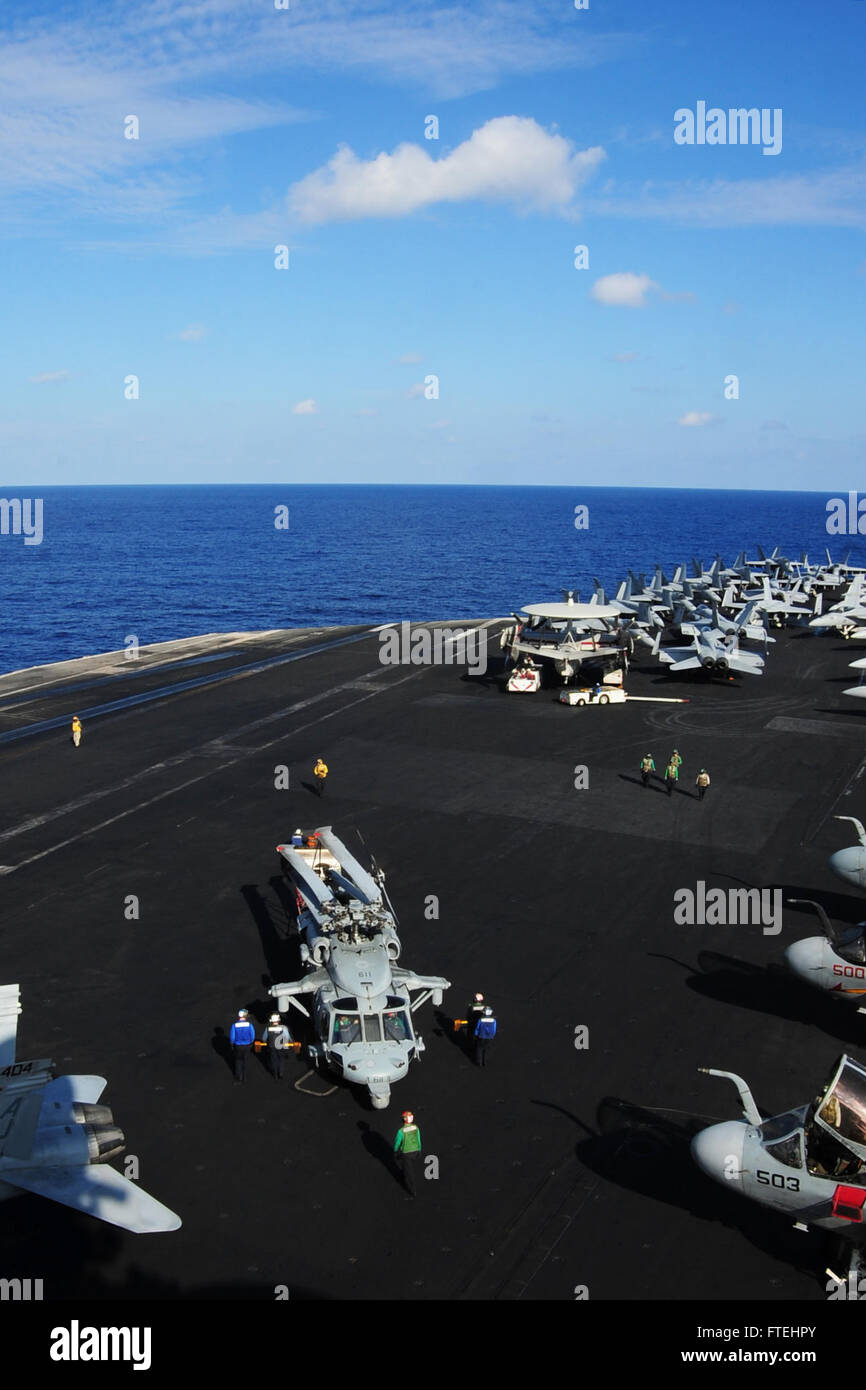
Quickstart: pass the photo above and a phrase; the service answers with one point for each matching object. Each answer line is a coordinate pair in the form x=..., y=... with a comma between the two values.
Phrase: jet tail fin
x=19, y=1119
x=10, y=1008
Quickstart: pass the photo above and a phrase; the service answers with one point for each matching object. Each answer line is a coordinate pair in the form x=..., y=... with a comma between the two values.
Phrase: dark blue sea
x=166, y=562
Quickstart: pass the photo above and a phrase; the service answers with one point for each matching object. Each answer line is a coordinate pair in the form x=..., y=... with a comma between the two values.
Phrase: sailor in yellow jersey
x=76, y=730
x=320, y=772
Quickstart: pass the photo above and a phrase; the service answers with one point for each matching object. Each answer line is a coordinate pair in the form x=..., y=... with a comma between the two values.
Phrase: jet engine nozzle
x=718, y=1152
x=721, y=663
x=708, y=662
x=84, y=1114
x=104, y=1142
x=850, y=864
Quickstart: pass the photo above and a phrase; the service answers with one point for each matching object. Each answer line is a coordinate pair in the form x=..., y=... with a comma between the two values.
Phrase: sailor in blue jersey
x=243, y=1035
x=485, y=1032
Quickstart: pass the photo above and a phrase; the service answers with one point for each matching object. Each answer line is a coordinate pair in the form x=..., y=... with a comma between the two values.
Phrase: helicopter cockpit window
x=347, y=1028
x=372, y=1028
x=396, y=1025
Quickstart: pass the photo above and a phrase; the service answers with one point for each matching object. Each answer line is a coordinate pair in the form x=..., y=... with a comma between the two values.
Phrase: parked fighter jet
x=55, y=1141
x=362, y=1005
x=708, y=620
x=713, y=654
x=643, y=613
x=808, y=1164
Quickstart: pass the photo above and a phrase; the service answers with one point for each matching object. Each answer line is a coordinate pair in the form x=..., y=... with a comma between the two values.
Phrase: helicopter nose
x=850, y=863
x=718, y=1152
x=804, y=957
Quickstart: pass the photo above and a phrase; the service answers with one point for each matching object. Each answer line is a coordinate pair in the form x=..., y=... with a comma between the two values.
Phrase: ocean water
x=166, y=562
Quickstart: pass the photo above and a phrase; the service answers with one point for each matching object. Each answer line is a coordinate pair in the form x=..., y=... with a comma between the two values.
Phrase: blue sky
x=412, y=258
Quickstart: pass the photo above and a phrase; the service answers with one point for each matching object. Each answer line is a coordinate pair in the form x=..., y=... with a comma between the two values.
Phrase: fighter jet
x=808, y=1164
x=362, y=1006
x=56, y=1141
x=708, y=620
x=713, y=653
x=848, y=615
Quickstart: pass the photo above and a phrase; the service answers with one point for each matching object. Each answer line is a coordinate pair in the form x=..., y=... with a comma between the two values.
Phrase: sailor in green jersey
x=676, y=758
x=672, y=775
x=647, y=765
x=407, y=1145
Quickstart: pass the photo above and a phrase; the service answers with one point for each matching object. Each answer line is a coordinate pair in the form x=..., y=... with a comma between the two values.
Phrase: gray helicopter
x=362, y=1005
x=808, y=1164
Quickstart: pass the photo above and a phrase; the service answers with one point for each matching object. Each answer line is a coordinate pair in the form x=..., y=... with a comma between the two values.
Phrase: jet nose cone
x=718, y=1152
x=803, y=958
x=850, y=863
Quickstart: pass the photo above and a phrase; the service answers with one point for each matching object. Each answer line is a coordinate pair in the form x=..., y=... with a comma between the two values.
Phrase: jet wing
x=681, y=658
x=748, y=662
x=98, y=1191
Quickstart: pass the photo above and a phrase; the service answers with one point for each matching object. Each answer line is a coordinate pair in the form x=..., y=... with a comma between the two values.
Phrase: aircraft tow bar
x=657, y=700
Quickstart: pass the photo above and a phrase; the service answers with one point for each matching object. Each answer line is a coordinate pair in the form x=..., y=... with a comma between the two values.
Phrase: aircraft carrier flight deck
x=143, y=904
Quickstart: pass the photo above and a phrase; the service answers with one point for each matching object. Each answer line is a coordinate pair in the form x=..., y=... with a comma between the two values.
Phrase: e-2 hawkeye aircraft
x=56, y=1141
x=808, y=1164
x=565, y=634
x=362, y=1005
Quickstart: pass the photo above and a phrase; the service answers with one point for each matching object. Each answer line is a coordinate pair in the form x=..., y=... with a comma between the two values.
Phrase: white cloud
x=195, y=333
x=193, y=71
x=307, y=407
x=697, y=418
x=416, y=389
x=509, y=159
x=626, y=357
x=366, y=410
x=835, y=198
x=625, y=289
x=42, y=377
x=410, y=357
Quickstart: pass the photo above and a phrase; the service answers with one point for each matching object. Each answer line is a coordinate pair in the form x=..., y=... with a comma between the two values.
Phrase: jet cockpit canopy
x=841, y=1110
